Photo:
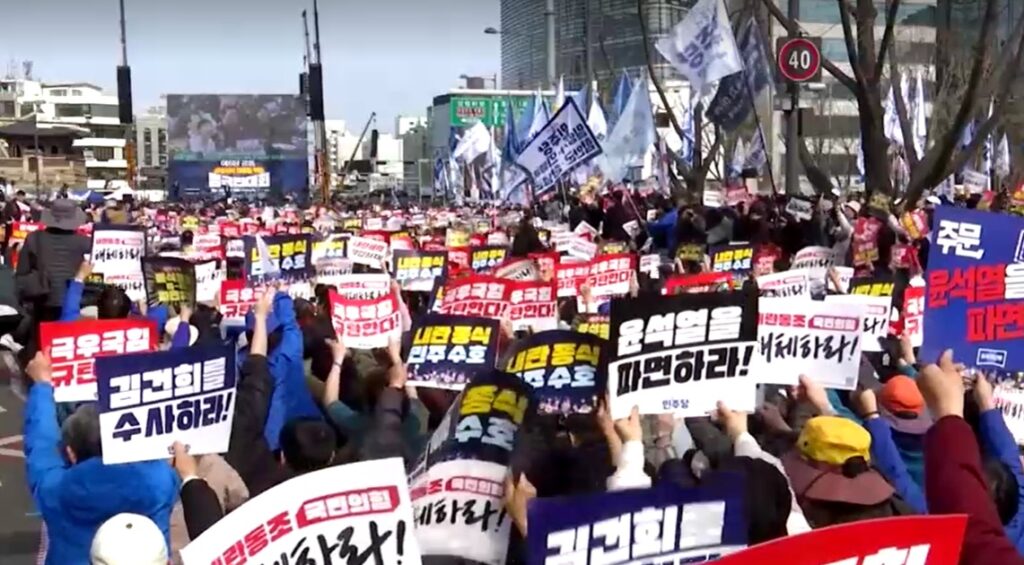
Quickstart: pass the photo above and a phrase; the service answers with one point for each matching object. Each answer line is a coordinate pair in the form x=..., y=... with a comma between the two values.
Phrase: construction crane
x=359, y=143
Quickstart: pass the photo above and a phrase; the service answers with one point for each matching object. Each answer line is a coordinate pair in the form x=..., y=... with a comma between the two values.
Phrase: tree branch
x=901, y=114
x=887, y=35
x=851, y=47
x=815, y=175
x=792, y=27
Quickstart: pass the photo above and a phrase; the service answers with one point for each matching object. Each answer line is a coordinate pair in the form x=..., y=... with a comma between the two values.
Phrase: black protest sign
x=170, y=281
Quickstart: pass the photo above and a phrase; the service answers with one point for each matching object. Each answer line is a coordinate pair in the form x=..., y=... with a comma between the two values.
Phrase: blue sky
x=391, y=56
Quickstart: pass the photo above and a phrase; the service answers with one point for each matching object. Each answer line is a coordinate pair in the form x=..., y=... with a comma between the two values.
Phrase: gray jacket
x=59, y=253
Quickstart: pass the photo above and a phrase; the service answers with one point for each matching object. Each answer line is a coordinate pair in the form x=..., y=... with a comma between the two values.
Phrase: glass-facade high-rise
x=616, y=41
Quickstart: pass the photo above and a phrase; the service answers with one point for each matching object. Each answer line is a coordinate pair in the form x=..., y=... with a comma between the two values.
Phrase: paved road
x=19, y=524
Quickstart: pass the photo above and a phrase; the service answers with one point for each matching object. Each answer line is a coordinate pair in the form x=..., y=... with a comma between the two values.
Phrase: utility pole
x=549, y=20
x=587, y=53
x=124, y=105
x=320, y=126
x=793, y=119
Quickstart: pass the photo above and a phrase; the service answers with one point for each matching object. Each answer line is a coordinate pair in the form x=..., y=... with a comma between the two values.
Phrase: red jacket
x=954, y=484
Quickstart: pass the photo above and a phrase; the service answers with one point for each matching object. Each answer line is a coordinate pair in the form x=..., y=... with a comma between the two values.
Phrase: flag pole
x=760, y=131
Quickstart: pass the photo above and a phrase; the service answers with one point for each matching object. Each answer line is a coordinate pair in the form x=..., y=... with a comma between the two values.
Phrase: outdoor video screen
x=214, y=127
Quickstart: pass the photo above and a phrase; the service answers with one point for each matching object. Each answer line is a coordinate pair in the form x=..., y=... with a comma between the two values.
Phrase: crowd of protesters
x=925, y=440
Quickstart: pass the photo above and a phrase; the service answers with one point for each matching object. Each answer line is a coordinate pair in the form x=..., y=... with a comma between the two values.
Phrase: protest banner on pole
x=117, y=253
x=417, y=270
x=533, y=306
x=184, y=395
x=563, y=144
x=359, y=509
x=448, y=351
x=681, y=354
x=797, y=337
x=562, y=367
x=366, y=323
x=290, y=258
x=74, y=346
x=170, y=281
x=669, y=525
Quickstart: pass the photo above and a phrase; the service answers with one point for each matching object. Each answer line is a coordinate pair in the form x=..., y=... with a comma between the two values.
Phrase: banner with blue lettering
x=665, y=524
x=147, y=401
x=563, y=144
x=975, y=298
x=457, y=484
x=447, y=351
x=732, y=103
x=562, y=367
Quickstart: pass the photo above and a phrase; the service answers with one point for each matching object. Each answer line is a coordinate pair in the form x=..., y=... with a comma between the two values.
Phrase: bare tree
x=991, y=74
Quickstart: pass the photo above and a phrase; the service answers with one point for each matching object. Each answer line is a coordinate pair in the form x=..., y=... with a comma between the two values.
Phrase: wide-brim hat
x=64, y=214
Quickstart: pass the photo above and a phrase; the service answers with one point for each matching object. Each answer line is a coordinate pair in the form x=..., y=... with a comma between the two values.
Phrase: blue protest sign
x=665, y=524
x=562, y=367
x=975, y=298
x=447, y=351
x=147, y=401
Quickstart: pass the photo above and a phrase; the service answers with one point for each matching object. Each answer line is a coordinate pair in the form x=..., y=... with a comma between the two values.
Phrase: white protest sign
x=1010, y=401
x=148, y=401
x=359, y=510
x=975, y=182
x=713, y=198
x=235, y=248
x=651, y=265
x=800, y=208
x=366, y=251
x=584, y=228
x=332, y=270
x=363, y=286
x=208, y=279
x=564, y=143
x=845, y=275
x=581, y=249
x=117, y=253
x=797, y=337
x=875, y=311
x=632, y=227
x=817, y=261
x=785, y=284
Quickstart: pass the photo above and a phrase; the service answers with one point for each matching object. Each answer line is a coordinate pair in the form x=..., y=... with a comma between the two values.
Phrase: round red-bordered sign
x=799, y=59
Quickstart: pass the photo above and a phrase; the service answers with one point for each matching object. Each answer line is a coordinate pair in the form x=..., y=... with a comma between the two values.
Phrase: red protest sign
x=477, y=295
x=366, y=324
x=73, y=346
x=534, y=305
x=236, y=299
x=701, y=282
x=935, y=540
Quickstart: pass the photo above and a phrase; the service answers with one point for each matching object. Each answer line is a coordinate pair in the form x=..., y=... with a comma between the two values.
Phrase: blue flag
x=632, y=136
x=732, y=103
x=622, y=91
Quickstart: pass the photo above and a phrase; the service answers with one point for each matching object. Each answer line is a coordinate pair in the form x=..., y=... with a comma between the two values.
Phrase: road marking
x=9, y=452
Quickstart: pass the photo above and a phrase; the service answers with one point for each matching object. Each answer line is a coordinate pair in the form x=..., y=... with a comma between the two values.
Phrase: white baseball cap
x=128, y=539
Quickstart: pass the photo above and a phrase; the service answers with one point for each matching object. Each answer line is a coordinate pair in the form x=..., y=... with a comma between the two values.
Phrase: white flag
x=474, y=143
x=919, y=123
x=1002, y=166
x=702, y=47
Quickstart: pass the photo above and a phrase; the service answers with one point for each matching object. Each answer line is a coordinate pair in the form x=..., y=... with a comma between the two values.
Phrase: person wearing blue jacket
x=885, y=456
x=112, y=304
x=72, y=488
x=997, y=442
x=291, y=398
x=663, y=231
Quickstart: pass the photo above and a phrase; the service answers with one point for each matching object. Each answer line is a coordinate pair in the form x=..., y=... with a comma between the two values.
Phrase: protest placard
x=117, y=253
x=236, y=300
x=581, y=248
x=592, y=324
x=17, y=233
x=208, y=279
x=913, y=314
x=569, y=277
x=359, y=509
x=667, y=524
x=184, y=395
x=458, y=482
x=917, y=540
x=800, y=208
x=208, y=245
x=1009, y=400
x=731, y=258
x=690, y=252
x=787, y=284
x=562, y=367
x=291, y=255
x=333, y=247
x=487, y=257
x=713, y=197
x=797, y=336
x=518, y=270
x=610, y=275
x=681, y=354
x=332, y=270
x=363, y=286
x=235, y=248
x=975, y=289
x=170, y=281
x=366, y=323
x=456, y=237
x=697, y=283
x=873, y=286
x=73, y=346
x=864, y=243
x=585, y=229
x=477, y=295
x=564, y=143
x=448, y=351
x=533, y=306
x=650, y=265
x=417, y=270
x=875, y=312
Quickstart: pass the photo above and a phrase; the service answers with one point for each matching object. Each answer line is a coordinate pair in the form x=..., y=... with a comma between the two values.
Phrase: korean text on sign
x=291, y=254
x=73, y=346
x=417, y=270
x=447, y=351
x=563, y=143
x=562, y=368
x=533, y=306
x=366, y=324
x=327, y=516
x=148, y=401
x=975, y=289
x=482, y=296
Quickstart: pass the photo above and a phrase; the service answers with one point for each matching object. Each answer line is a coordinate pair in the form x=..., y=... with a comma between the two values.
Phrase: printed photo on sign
x=327, y=516
x=448, y=351
x=148, y=401
x=796, y=336
x=117, y=253
x=562, y=367
x=667, y=524
x=73, y=347
x=366, y=324
x=682, y=354
x=417, y=270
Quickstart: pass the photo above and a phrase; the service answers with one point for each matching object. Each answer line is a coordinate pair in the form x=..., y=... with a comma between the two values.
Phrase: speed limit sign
x=799, y=58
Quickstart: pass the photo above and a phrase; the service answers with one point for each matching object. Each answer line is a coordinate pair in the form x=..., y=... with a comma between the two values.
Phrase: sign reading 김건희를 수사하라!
x=147, y=401
x=117, y=253
x=447, y=351
x=360, y=510
x=819, y=339
x=667, y=524
x=682, y=353
x=975, y=289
